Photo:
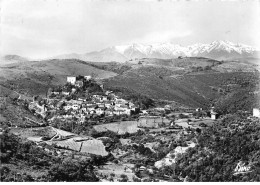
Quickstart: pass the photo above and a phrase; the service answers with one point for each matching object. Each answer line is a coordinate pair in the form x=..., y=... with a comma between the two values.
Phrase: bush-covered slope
x=34, y=78
x=220, y=148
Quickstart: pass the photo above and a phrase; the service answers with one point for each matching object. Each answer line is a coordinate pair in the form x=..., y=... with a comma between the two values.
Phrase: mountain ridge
x=220, y=50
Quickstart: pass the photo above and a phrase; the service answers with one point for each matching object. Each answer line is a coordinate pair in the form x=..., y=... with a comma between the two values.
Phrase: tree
x=72, y=171
x=124, y=178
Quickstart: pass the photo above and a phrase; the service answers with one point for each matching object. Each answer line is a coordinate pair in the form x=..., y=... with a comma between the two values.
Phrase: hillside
x=14, y=112
x=10, y=59
x=35, y=77
x=195, y=82
x=190, y=81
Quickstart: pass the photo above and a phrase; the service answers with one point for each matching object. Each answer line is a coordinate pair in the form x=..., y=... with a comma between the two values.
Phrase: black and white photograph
x=130, y=91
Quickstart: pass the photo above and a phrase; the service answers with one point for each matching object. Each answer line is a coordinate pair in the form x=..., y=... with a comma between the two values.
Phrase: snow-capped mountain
x=220, y=50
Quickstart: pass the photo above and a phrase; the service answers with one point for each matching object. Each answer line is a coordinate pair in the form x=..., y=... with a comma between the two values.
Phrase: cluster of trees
x=200, y=68
x=240, y=94
x=219, y=149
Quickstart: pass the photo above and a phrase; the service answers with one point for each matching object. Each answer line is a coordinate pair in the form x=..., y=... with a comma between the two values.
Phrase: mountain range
x=219, y=50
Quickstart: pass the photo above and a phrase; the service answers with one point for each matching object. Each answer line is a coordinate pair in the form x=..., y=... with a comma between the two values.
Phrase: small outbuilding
x=213, y=115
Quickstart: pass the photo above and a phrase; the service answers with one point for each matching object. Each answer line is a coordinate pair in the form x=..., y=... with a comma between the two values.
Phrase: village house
x=75, y=106
x=108, y=105
x=131, y=105
x=144, y=112
x=198, y=109
x=83, y=110
x=256, y=112
x=81, y=119
x=101, y=105
x=120, y=101
x=67, y=116
x=161, y=109
x=108, y=92
x=79, y=83
x=90, y=104
x=73, y=90
x=96, y=97
x=103, y=98
x=117, y=113
x=78, y=102
x=67, y=107
x=120, y=111
x=108, y=112
x=39, y=109
x=65, y=93
x=100, y=111
x=213, y=114
x=91, y=108
x=87, y=78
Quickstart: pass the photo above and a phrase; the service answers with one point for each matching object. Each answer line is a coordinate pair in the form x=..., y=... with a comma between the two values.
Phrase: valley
x=129, y=91
x=133, y=121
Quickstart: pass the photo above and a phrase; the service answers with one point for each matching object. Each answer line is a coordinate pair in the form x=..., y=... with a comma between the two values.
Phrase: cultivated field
x=34, y=132
x=94, y=146
x=120, y=128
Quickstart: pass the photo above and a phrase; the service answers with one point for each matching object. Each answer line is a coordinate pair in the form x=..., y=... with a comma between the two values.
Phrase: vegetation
x=27, y=155
x=220, y=148
x=142, y=101
x=239, y=94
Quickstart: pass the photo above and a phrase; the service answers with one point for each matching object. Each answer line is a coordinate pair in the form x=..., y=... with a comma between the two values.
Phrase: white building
x=256, y=112
x=87, y=77
x=67, y=107
x=73, y=90
x=65, y=93
x=75, y=107
x=213, y=115
x=71, y=79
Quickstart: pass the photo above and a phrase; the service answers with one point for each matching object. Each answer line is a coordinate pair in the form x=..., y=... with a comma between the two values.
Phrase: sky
x=45, y=28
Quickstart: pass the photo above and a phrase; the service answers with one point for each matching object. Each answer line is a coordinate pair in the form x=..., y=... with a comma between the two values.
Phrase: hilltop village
x=81, y=98
x=124, y=142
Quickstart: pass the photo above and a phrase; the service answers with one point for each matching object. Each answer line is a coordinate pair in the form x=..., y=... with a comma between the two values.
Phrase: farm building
x=213, y=115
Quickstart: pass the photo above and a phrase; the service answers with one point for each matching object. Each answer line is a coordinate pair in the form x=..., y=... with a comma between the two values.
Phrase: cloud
x=163, y=36
x=44, y=28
